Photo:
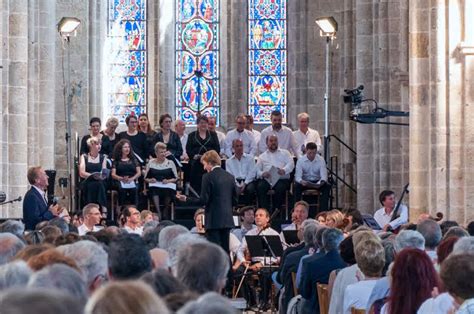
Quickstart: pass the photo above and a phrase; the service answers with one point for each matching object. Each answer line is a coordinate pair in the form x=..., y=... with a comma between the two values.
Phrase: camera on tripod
x=353, y=96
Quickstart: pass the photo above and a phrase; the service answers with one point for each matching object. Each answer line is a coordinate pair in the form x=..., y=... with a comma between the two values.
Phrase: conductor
x=218, y=196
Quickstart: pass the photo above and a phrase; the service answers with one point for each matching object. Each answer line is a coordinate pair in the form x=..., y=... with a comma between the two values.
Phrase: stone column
x=17, y=105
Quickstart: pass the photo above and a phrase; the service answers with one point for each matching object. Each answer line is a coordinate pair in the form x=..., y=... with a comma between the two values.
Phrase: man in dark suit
x=35, y=204
x=218, y=196
x=319, y=269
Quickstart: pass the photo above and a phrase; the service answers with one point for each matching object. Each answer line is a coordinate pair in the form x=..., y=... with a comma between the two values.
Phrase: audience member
x=10, y=245
x=31, y=250
x=163, y=282
x=431, y=231
x=125, y=297
x=199, y=222
x=50, y=257
x=168, y=234
x=128, y=257
x=208, y=303
x=456, y=231
x=151, y=236
x=470, y=228
x=14, y=227
x=91, y=218
x=131, y=220
x=445, y=225
x=14, y=275
x=299, y=214
x=159, y=258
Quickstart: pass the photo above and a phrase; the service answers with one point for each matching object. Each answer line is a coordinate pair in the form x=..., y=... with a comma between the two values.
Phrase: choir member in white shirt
x=383, y=216
x=243, y=168
x=286, y=139
x=132, y=220
x=311, y=173
x=91, y=215
x=249, y=127
x=250, y=146
x=278, y=162
x=305, y=134
x=180, y=127
x=220, y=135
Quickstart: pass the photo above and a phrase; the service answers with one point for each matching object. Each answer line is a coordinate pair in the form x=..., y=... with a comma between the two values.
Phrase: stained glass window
x=197, y=59
x=126, y=58
x=267, y=59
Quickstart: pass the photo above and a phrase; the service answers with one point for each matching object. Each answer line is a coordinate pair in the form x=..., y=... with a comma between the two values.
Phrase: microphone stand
x=11, y=201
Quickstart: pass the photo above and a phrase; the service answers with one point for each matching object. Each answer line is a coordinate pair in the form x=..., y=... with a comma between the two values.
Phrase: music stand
x=291, y=237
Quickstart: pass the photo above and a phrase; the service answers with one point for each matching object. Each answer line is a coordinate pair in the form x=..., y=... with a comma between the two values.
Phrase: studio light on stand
x=328, y=29
x=67, y=27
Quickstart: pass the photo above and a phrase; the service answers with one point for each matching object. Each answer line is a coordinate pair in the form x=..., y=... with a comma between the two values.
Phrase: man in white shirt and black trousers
x=242, y=167
x=246, y=136
x=311, y=173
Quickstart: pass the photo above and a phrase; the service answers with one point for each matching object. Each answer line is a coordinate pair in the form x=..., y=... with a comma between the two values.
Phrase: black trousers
x=323, y=198
x=219, y=237
x=280, y=189
x=248, y=196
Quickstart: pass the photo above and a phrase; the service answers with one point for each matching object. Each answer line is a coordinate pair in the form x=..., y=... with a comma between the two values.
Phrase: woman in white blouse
x=161, y=176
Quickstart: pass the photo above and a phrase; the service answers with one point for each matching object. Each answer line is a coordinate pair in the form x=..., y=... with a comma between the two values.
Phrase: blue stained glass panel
x=267, y=59
x=132, y=10
x=132, y=31
x=267, y=9
x=197, y=59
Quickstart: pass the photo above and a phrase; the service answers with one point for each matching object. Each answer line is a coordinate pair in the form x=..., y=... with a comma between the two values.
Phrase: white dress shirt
x=442, y=304
x=280, y=158
x=357, y=295
x=244, y=168
x=311, y=170
x=184, y=140
x=242, y=231
x=304, y=138
x=243, y=245
x=286, y=140
x=83, y=230
x=234, y=245
x=221, y=138
x=344, y=278
x=250, y=146
x=42, y=193
x=256, y=135
x=383, y=218
x=137, y=230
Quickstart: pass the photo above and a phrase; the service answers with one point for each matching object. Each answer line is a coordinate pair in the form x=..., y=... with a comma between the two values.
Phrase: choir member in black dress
x=137, y=139
x=110, y=127
x=126, y=170
x=90, y=164
x=169, y=137
x=199, y=142
x=145, y=127
x=161, y=170
x=94, y=125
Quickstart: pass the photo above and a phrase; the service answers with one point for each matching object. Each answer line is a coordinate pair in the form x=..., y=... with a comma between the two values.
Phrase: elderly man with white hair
x=9, y=246
x=305, y=134
x=14, y=275
x=91, y=258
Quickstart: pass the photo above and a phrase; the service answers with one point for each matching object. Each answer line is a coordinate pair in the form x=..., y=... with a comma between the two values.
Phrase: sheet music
x=274, y=176
x=129, y=185
x=162, y=185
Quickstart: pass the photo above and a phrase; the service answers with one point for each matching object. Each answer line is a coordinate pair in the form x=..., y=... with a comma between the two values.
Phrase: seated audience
x=370, y=258
x=159, y=258
x=14, y=275
x=161, y=176
x=247, y=220
x=445, y=225
x=145, y=217
x=92, y=216
x=445, y=248
x=385, y=215
x=163, y=282
x=208, y=303
x=35, y=202
x=10, y=245
x=199, y=222
x=126, y=170
x=456, y=231
x=174, y=146
x=305, y=134
x=94, y=125
x=242, y=167
x=200, y=141
x=190, y=271
x=131, y=220
x=125, y=297
x=50, y=257
x=335, y=219
x=274, y=167
x=249, y=145
x=168, y=234
x=413, y=278
x=285, y=136
x=138, y=140
x=128, y=257
x=352, y=219
x=321, y=218
x=311, y=173
x=60, y=277
x=431, y=231
x=298, y=215
x=39, y=301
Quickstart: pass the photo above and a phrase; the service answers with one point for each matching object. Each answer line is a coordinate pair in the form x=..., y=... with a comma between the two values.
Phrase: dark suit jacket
x=35, y=209
x=174, y=144
x=318, y=270
x=218, y=195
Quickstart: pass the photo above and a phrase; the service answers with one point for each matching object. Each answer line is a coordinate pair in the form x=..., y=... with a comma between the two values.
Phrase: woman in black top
x=170, y=138
x=161, y=170
x=199, y=142
x=145, y=127
x=94, y=125
x=126, y=170
x=93, y=185
x=137, y=139
x=109, y=132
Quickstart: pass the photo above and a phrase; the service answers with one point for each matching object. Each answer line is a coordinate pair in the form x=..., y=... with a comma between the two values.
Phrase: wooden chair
x=312, y=197
x=323, y=297
x=293, y=281
x=271, y=193
x=357, y=311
